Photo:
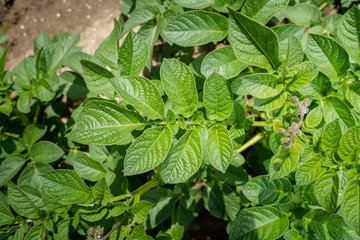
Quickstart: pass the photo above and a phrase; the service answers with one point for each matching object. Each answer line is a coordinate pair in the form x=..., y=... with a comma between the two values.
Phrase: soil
x=27, y=18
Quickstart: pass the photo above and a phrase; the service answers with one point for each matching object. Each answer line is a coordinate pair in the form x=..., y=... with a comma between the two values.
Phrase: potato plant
x=247, y=109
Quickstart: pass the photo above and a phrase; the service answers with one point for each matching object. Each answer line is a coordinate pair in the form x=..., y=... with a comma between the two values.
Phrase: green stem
x=113, y=229
x=13, y=135
x=37, y=111
x=139, y=191
x=260, y=124
x=251, y=142
x=323, y=6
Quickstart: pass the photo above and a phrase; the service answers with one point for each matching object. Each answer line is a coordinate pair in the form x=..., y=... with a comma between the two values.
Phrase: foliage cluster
x=250, y=110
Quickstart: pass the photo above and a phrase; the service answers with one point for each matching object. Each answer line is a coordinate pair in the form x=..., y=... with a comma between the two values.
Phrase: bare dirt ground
x=27, y=18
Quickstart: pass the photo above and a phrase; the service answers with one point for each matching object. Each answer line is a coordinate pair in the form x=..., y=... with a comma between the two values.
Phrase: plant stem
x=260, y=124
x=113, y=229
x=36, y=114
x=13, y=135
x=323, y=6
x=141, y=190
x=251, y=142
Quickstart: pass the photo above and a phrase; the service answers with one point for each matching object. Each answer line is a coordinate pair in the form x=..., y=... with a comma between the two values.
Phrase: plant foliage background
x=260, y=126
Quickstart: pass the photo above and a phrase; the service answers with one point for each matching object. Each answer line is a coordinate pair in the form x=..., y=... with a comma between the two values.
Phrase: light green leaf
x=140, y=211
x=45, y=152
x=309, y=171
x=217, y=97
x=219, y=147
x=142, y=94
x=101, y=192
x=140, y=16
x=350, y=207
x=350, y=144
x=43, y=90
x=35, y=233
x=199, y=4
x=262, y=85
x=62, y=232
x=21, y=203
x=23, y=104
x=97, y=78
x=222, y=61
x=150, y=34
x=304, y=14
x=317, y=88
x=94, y=216
x=349, y=32
x=30, y=176
x=252, y=42
x=323, y=225
x=262, y=190
x=133, y=54
x=66, y=187
x=196, y=28
x=263, y=10
x=179, y=84
x=259, y=223
x=32, y=133
x=307, y=72
x=283, y=162
x=105, y=122
x=331, y=58
x=330, y=137
x=41, y=40
x=270, y=103
x=353, y=95
x=10, y=167
x=313, y=118
x=326, y=190
x=184, y=158
x=335, y=108
x=88, y=169
x=238, y=115
x=6, y=217
x=148, y=150
x=107, y=52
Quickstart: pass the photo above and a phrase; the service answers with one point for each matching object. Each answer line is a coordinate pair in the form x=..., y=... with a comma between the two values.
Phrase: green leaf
x=179, y=84
x=140, y=16
x=148, y=150
x=350, y=144
x=304, y=14
x=10, y=167
x=150, y=34
x=73, y=61
x=24, y=102
x=21, y=203
x=252, y=42
x=88, y=169
x=133, y=55
x=139, y=233
x=326, y=190
x=35, y=233
x=66, y=187
x=101, y=192
x=142, y=94
x=309, y=171
x=350, y=207
x=262, y=190
x=353, y=95
x=262, y=11
x=43, y=90
x=41, y=40
x=54, y=54
x=32, y=133
x=238, y=115
x=184, y=158
x=349, y=32
x=196, y=28
x=45, y=152
x=219, y=147
x=323, y=225
x=105, y=122
x=313, y=118
x=97, y=78
x=330, y=137
x=283, y=162
x=94, y=216
x=72, y=85
x=107, y=52
x=270, y=103
x=262, y=85
x=222, y=61
x=259, y=223
x=62, y=230
x=140, y=211
x=6, y=216
x=331, y=58
x=217, y=97
x=307, y=72
x=335, y=108
x=235, y=175
x=317, y=88
x=30, y=176
x=200, y=4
